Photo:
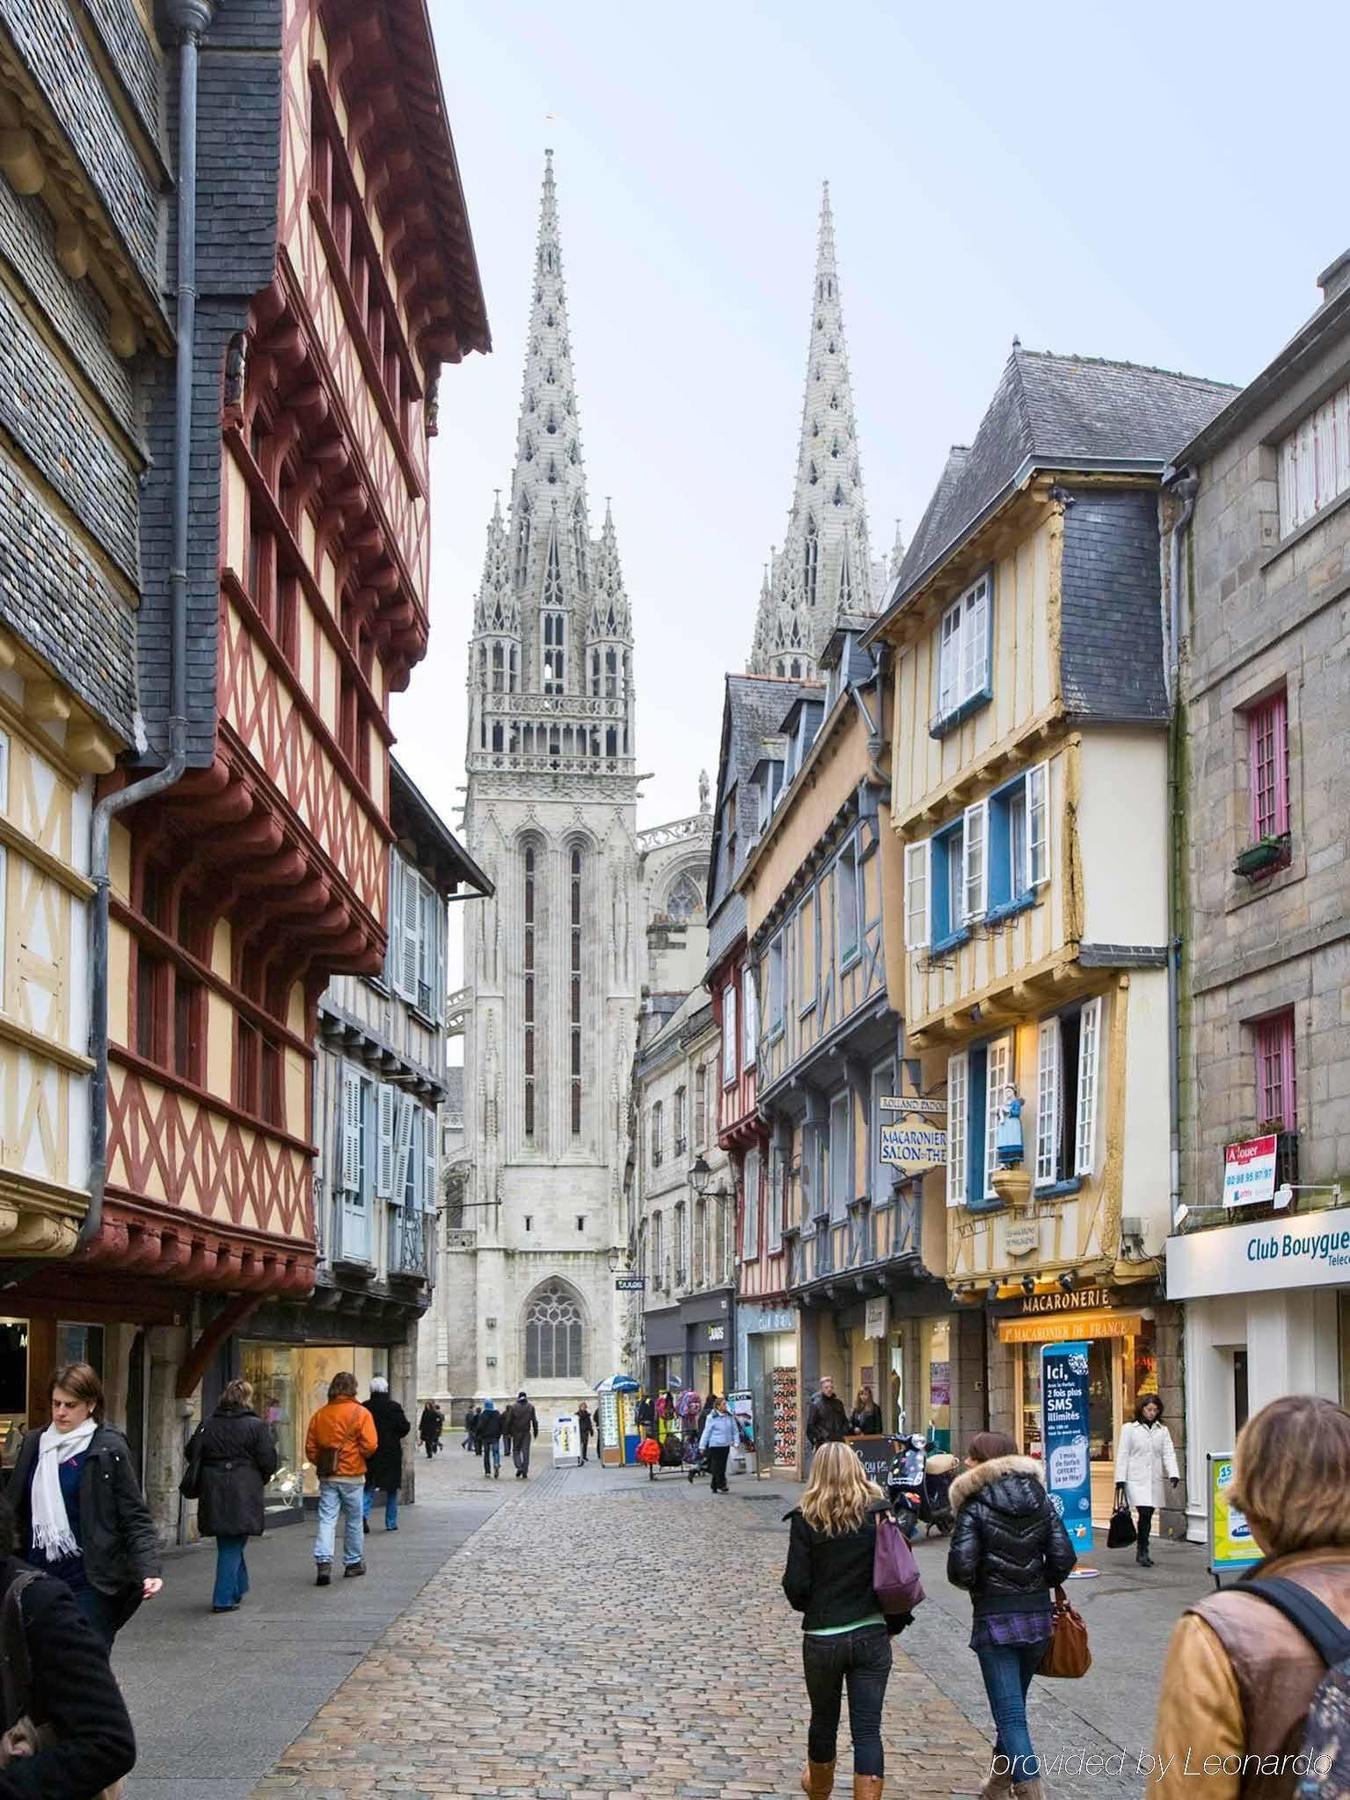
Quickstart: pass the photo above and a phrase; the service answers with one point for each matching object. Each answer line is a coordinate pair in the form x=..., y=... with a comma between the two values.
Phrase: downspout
x=191, y=18
x=1185, y=485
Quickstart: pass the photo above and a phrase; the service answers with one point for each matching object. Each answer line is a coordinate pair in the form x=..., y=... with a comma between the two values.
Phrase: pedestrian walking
x=520, y=1426
x=1144, y=1455
x=1240, y=1676
x=1008, y=1549
x=78, y=1507
x=865, y=1419
x=585, y=1426
x=384, y=1470
x=719, y=1438
x=429, y=1428
x=490, y=1423
x=234, y=1456
x=826, y=1420
x=471, y=1418
x=60, y=1697
x=846, y=1638
x=340, y=1439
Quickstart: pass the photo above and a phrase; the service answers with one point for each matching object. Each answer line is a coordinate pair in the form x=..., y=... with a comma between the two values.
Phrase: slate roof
x=1057, y=412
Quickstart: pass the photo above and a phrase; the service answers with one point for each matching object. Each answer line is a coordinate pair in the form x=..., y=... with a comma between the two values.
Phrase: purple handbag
x=895, y=1574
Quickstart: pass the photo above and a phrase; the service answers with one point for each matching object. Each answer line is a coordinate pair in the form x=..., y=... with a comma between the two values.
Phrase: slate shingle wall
x=1112, y=651
x=118, y=26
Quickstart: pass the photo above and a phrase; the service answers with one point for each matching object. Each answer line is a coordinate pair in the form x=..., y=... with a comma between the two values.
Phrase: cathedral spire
x=825, y=566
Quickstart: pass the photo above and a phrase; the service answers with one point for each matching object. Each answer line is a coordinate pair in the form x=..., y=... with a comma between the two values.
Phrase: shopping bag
x=895, y=1574
x=1120, y=1533
x=1067, y=1655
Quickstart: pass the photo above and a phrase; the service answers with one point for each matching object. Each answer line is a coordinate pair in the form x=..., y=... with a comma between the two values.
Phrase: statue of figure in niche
x=1008, y=1130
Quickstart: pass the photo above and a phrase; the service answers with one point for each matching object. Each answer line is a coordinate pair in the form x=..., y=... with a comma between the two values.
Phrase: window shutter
x=949, y=655
x=975, y=863
x=729, y=1034
x=409, y=911
x=999, y=1074
x=1089, y=1066
x=979, y=649
x=430, y=1193
x=957, y=1071
x=1047, y=1101
x=403, y=1131
x=916, y=895
x=1038, y=825
x=387, y=1105
x=750, y=1229
x=350, y=1124
x=393, y=923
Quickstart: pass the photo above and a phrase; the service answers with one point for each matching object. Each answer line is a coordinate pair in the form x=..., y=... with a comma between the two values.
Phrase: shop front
x=1121, y=1330
x=29, y=1350
x=766, y=1356
x=692, y=1345
x=290, y=1384
x=1267, y=1313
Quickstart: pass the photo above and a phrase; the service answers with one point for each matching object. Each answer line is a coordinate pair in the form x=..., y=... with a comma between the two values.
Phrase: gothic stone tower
x=554, y=962
x=824, y=570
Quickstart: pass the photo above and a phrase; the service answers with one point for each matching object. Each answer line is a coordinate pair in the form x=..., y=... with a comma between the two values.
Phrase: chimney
x=1335, y=278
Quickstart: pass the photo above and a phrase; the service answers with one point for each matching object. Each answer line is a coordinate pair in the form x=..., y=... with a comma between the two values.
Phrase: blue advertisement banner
x=1064, y=1407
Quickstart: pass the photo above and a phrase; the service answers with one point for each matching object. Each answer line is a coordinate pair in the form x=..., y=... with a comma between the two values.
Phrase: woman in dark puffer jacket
x=1008, y=1550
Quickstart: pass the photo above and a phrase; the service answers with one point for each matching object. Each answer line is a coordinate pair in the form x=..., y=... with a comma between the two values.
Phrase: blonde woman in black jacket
x=846, y=1639
x=1008, y=1549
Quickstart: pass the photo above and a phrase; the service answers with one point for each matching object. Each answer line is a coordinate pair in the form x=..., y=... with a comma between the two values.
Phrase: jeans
x=492, y=1456
x=231, y=1571
x=1007, y=1671
x=341, y=1495
x=717, y=1462
x=390, y=1506
x=107, y=1613
x=863, y=1660
x=520, y=1454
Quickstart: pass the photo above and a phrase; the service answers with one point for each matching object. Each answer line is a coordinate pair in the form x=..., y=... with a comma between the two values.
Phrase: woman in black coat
x=70, y=1687
x=236, y=1458
x=384, y=1470
x=429, y=1428
x=78, y=1509
x=1008, y=1549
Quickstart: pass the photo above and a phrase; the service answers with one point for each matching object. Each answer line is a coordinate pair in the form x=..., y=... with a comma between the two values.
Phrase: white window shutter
x=917, y=861
x=977, y=628
x=1038, y=825
x=387, y=1098
x=430, y=1193
x=957, y=1067
x=350, y=1125
x=975, y=885
x=1089, y=1081
x=999, y=1074
x=408, y=949
x=403, y=1129
x=1047, y=1101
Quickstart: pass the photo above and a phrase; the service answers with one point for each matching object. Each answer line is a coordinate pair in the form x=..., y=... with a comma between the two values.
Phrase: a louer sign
x=1308, y=1251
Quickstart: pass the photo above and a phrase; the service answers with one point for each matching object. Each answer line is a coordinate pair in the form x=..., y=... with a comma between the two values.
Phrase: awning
x=1068, y=1328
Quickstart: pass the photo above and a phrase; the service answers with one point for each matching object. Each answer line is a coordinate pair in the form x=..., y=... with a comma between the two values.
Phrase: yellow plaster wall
x=219, y=1045
x=119, y=982
x=235, y=547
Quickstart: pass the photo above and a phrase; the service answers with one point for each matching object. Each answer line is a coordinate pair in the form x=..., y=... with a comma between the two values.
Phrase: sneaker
x=391, y=1527
x=218, y=1609
x=365, y=1527
x=323, y=1574
x=354, y=1569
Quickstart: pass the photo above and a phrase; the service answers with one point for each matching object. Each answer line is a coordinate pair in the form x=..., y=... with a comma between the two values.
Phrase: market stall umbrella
x=618, y=1384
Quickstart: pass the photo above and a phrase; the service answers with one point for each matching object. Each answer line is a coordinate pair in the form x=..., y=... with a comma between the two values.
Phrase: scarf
x=52, y=1537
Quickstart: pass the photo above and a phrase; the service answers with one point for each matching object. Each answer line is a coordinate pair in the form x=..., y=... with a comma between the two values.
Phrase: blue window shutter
x=1001, y=889
x=975, y=1128
x=940, y=890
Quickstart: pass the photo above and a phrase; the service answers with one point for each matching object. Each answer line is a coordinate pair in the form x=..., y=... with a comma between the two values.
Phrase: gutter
x=1185, y=484
x=191, y=19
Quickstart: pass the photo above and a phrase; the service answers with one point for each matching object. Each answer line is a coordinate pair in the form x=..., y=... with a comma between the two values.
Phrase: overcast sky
x=1153, y=183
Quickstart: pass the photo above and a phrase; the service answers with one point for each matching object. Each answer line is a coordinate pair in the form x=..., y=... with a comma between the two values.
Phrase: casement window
x=749, y=1015
x=415, y=958
x=1068, y=1088
x=729, y=1034
x=976, y=1080
x=1018, y=838
x=947, y=882
x=774, y=1238
x=964, y=646
x=998, y=1073
x=974, y=871
x=658, y=1134
x=1314, y=465
x=883, y=1085
x=1276, y=1089
x=680, y=1111
x=776, y=983
x=658, y=1252
x=916, y=895
x=1268, y=767
x=957, y=1137
x=848, y=902
x=841, y=1154
x=750, y=1204
x=990, y=860
x=680, y=1245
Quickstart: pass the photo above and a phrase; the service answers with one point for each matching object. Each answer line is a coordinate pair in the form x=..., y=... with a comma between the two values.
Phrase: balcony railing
x=411, y=1239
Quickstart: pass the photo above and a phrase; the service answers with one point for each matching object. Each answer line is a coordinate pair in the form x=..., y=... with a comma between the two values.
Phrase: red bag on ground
x=649, y=1451
x=895, y=1574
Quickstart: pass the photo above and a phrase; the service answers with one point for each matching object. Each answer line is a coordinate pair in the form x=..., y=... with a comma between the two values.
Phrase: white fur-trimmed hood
x=985, y=1473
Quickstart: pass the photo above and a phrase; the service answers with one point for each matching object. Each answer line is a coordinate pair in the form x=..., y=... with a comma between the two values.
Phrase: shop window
x=1068, y=1081
x=554, y=1336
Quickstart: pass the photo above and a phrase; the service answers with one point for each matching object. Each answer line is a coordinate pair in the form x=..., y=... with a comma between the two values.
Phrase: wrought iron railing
x=411, y=1236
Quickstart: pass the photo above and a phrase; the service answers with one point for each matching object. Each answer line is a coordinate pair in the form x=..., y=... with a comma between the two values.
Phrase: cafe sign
x=914, y=1145
x=1076, y=1300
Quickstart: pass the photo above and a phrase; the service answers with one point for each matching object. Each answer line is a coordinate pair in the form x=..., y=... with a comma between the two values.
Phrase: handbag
x=1120, y=1533
x=25, y=1737
x=190, y=1487
x=1067, y=1655
x=895, y=1574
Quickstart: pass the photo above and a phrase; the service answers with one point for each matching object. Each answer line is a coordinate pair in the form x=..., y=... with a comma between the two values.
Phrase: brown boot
x=1028, y=1790
x=818, y=1780
x=998, y=1786
x=867, y=1787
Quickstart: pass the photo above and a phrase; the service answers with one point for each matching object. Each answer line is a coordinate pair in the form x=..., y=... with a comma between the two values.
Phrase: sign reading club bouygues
x=1064, y=1407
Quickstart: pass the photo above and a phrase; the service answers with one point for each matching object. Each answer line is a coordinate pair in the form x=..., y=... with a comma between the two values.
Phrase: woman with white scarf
x=79, y=1509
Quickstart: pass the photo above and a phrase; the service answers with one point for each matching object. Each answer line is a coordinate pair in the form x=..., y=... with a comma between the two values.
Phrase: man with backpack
x=520, y=1426
x=1258, y=1677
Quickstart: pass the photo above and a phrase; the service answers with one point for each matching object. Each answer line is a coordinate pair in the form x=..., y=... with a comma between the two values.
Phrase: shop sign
x=715, y=1334
x=876, y=1318
x=1076, y=1300
x=1231, y=1544
x=925, y=1109
x=1312, y=1250
x=1022, y=1239
x=1091, y=1326
x=1064, y=1407
x=913, y=1147
x=1249, y=1172
x=630, y=1284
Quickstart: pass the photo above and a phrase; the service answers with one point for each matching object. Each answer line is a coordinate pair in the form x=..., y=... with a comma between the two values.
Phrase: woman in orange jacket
x=341, y=1436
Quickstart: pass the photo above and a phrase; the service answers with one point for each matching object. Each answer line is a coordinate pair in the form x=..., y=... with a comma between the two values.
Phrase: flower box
x=1263, y=858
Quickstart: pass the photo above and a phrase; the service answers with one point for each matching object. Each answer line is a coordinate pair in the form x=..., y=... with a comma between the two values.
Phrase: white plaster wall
x=1122, y=836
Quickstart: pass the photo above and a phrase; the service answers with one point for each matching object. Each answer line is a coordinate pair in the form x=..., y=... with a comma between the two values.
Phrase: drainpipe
x=1184, y=484
x=191, y=18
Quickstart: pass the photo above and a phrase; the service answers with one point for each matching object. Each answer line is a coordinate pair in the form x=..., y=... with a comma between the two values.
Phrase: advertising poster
x=742, y=1408
x=1231, y=1544
x=1064, y=1407
x=566, y=1442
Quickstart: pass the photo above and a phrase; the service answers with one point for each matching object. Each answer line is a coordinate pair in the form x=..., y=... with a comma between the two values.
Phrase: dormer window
x=964, y=652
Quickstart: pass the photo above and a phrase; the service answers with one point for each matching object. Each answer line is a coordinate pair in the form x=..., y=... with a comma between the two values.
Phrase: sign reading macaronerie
x=1313, y=1251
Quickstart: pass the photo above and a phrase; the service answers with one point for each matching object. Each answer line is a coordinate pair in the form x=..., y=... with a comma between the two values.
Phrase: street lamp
x=700, y=1175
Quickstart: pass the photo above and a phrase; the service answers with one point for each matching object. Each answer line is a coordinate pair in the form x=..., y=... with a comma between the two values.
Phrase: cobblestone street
x=603, y=1635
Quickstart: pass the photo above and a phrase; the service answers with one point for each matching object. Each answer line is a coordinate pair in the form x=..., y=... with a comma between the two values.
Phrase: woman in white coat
x=1145, y=1454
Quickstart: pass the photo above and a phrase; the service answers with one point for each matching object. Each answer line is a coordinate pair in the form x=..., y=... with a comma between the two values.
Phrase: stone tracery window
x=554, y=1335
x=684, y=899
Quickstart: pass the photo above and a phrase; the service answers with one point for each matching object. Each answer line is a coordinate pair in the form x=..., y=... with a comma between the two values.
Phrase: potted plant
x=1263, y=857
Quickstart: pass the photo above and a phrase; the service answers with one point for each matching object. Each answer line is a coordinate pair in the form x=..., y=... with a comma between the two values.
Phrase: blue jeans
x=860, y=1660
x=492, y=1456
x=390, y=1506
x=341, y=1495
x=1007, y=1671
x=231, y=1572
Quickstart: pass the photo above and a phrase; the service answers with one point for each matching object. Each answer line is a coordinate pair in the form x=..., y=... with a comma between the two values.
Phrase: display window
x=1119, y=1371
x=290, y=1384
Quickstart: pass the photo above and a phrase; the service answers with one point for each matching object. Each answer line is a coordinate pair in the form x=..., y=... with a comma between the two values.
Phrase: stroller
x=694, y=1460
